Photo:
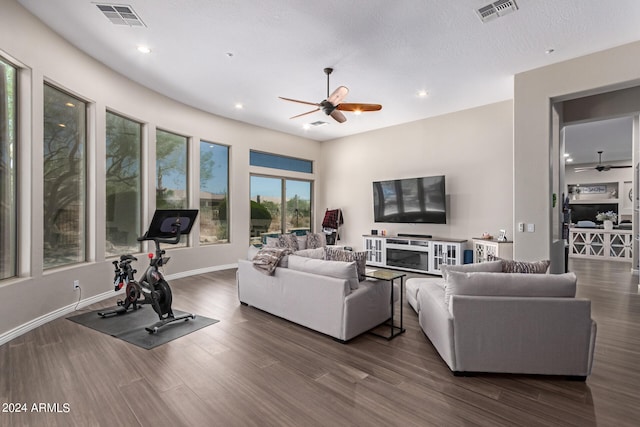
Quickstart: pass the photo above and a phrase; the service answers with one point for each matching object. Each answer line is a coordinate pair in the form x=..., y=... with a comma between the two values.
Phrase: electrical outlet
x=521, y=227
x=76, y=284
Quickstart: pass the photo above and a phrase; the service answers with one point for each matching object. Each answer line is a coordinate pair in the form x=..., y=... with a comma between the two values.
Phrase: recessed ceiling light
x=566, y=154
x=144, y=49
x=239, y=106
x=569, y=160
x=422, y=93
x=229, y=54
x=549, y=51
x=306, y=126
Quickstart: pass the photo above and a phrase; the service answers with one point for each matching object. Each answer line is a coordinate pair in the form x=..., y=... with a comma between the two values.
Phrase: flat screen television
x=588, y=211
x=411, y=200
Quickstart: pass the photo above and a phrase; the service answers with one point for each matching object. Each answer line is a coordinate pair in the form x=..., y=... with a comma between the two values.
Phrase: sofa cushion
x=414, y=285
x=511, y=266
x=316, y=240
x=488, y=267
x=511, y=285
x=317, y=253
x=302, y=242
x=337, y=269
x=335, y=254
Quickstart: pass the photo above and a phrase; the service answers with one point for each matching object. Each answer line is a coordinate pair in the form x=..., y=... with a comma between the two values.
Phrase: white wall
x=534, y=92
x=46, y=57
x=472, y=148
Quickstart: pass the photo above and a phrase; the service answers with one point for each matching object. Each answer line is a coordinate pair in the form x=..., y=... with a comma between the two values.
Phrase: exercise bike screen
x=167, y=224
x=162, y=224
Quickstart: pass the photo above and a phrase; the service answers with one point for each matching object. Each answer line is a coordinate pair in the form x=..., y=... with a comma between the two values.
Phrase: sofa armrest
x=436, y=321
x=531, y=335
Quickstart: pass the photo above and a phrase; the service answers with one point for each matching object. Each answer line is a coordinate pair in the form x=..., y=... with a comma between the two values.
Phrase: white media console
x=421, y=254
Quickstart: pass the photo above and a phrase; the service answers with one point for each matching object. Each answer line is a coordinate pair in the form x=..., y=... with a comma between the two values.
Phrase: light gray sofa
x=486, y=321
x=318, y=295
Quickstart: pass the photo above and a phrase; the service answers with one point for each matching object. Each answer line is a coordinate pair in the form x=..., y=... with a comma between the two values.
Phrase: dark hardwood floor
x=253, y=369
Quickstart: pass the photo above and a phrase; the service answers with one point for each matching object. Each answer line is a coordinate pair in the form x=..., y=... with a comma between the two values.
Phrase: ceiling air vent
x=121, y=15
x=318, y=123
x=497, y=9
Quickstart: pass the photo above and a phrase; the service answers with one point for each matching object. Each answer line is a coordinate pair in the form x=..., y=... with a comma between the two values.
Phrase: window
x=214, y=193
x=279, y=204
x=124, y=196
x=64, y=204
x=275, y=161
x=171, y=172
x=8, y=203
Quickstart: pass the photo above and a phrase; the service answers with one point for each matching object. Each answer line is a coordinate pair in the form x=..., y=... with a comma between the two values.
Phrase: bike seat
x=128, y=258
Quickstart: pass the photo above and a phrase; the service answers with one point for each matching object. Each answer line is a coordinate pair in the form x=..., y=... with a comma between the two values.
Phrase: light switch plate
x=531, y=228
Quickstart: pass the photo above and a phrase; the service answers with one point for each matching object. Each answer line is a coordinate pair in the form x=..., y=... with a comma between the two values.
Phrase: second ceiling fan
x=600, y=167
x=333, y=105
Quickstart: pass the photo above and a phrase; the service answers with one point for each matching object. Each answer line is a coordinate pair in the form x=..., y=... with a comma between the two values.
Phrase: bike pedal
x=120, y=302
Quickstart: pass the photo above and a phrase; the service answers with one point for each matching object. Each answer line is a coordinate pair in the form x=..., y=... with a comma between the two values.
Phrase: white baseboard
x=39, y=321
x=26, y=327
x=200, y=271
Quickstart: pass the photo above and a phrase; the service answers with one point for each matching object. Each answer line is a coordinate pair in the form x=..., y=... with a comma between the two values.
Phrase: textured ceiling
x=214, y=54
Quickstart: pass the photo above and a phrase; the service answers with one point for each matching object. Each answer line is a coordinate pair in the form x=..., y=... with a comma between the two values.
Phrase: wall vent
x=497, y=9
x=120, y=14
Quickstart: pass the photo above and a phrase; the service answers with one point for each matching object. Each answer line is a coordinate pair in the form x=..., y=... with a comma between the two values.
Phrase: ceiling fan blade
x=338, y=95
x=338, y=116
x=304, y=114
x=299, y=102
x=359, y=107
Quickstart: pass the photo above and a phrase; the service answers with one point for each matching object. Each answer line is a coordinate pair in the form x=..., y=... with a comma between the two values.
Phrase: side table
x=390, y=276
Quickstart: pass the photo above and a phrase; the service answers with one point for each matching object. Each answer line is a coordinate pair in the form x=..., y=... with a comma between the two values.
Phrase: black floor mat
x=131, y=326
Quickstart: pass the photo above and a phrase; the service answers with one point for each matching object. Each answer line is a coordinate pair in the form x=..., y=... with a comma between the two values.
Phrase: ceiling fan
x=600, y=167
x=333, y=105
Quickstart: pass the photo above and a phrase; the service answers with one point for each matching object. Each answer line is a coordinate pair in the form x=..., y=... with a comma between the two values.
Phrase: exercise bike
x=166, y=227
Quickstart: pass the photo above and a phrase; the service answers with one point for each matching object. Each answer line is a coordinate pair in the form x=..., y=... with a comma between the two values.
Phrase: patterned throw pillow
x=288, y=241
x=316, y=240
x=536, y=267
x=334, y=254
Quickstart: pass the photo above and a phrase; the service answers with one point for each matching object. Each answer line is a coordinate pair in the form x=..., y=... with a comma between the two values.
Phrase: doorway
x=579, y=119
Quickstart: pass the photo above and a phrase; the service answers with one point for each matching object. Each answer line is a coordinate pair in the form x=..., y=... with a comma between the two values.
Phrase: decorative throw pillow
x=288, y=241
x=536, y=267
x=302, y=242
x=316, y=240
x=272, y=242
x=333, y=254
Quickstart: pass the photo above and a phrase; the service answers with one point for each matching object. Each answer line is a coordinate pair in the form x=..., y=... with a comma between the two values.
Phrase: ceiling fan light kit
x=333, y=105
